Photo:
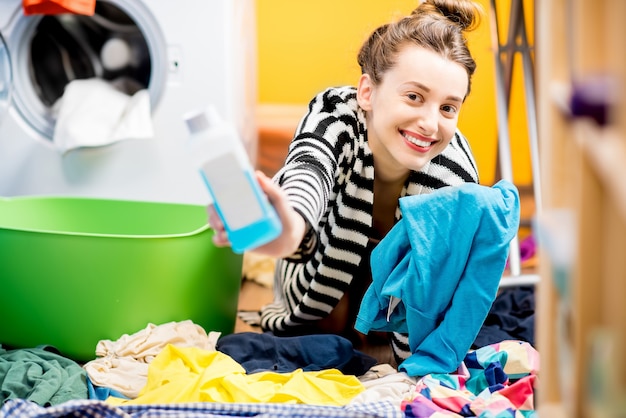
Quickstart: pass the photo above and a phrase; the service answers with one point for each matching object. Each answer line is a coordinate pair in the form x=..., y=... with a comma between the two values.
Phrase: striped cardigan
x=328, y=176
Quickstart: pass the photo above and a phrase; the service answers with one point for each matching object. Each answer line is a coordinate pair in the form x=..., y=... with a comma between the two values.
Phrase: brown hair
x=438, y=25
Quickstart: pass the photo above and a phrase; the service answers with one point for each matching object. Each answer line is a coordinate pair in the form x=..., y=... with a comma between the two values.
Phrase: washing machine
x=188, y=54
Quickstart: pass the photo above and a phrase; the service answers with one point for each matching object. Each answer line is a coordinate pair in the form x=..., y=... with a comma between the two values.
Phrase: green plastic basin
x=74, y=271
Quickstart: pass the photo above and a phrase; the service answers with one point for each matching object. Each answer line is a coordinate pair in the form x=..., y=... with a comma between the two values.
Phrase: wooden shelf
x=553, y=411
x=581, y=313
x=605, y=151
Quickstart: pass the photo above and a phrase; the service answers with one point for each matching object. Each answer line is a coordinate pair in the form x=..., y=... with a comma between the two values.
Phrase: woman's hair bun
x=465, y=13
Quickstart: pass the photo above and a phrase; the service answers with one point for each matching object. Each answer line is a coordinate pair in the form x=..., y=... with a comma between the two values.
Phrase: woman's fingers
x=273, y=192
x=219, y=237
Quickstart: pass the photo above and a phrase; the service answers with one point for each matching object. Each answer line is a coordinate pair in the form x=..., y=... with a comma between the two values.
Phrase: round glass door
x=6, y=81
x=108, y=45
x=121, y=44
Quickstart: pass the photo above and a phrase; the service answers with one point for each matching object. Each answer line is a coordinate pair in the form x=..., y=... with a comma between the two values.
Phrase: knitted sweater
x=328, y=176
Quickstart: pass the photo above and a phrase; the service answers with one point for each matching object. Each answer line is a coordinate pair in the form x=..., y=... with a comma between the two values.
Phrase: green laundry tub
x=74, y=271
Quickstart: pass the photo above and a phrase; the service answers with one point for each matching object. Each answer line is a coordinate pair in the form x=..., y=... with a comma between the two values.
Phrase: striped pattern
x=23, y=408
x=329, y=178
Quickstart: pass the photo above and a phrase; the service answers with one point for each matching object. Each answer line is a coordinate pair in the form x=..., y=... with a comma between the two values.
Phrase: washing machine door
x=6, y=81
x=121, y=43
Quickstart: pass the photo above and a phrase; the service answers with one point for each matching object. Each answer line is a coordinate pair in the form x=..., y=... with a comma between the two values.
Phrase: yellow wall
x=304, y=47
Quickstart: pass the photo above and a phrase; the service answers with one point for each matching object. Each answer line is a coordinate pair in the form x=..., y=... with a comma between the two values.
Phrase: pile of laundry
x=180, y=368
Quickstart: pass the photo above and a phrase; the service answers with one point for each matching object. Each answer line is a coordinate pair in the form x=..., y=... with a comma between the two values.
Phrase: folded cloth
x=266, y=352
x=53, y=7
x=442, y=264
x=92, y=113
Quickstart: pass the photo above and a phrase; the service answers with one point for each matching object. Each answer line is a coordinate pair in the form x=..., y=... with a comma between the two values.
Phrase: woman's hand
x=220, y=238
x=293, y=225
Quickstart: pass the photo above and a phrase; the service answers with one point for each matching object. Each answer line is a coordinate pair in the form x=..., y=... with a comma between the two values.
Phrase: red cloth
x=51, y=7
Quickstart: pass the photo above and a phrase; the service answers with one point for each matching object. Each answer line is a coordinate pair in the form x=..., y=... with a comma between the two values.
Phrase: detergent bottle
x=248, y=217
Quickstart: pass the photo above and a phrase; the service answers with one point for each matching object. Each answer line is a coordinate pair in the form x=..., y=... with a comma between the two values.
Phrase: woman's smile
x=418, y=142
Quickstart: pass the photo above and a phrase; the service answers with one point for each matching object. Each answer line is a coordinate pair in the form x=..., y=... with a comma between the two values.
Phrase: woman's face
x=412, y=113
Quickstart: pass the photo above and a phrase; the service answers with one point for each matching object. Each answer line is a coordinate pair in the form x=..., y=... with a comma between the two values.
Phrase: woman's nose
x=428, y=120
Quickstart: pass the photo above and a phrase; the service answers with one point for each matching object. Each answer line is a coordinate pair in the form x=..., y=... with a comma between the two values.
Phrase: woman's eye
x=448, y=109
x=413, y=96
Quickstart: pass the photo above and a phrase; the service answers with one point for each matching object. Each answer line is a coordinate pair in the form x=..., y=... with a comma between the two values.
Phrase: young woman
x=354, y=154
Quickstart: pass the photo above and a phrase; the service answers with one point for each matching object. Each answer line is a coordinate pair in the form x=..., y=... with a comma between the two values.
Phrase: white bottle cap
x=197, y=122
x=202, y=120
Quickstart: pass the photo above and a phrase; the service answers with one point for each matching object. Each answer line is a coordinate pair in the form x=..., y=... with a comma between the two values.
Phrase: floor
x=252, y=297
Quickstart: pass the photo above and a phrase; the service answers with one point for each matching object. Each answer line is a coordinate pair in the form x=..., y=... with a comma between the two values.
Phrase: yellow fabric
x=191, y=374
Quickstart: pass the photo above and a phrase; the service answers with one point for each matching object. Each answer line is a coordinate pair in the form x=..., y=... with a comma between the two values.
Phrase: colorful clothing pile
x=496, y=381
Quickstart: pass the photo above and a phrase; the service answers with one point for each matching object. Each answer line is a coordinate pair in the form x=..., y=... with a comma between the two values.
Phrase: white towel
x=93, y=113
